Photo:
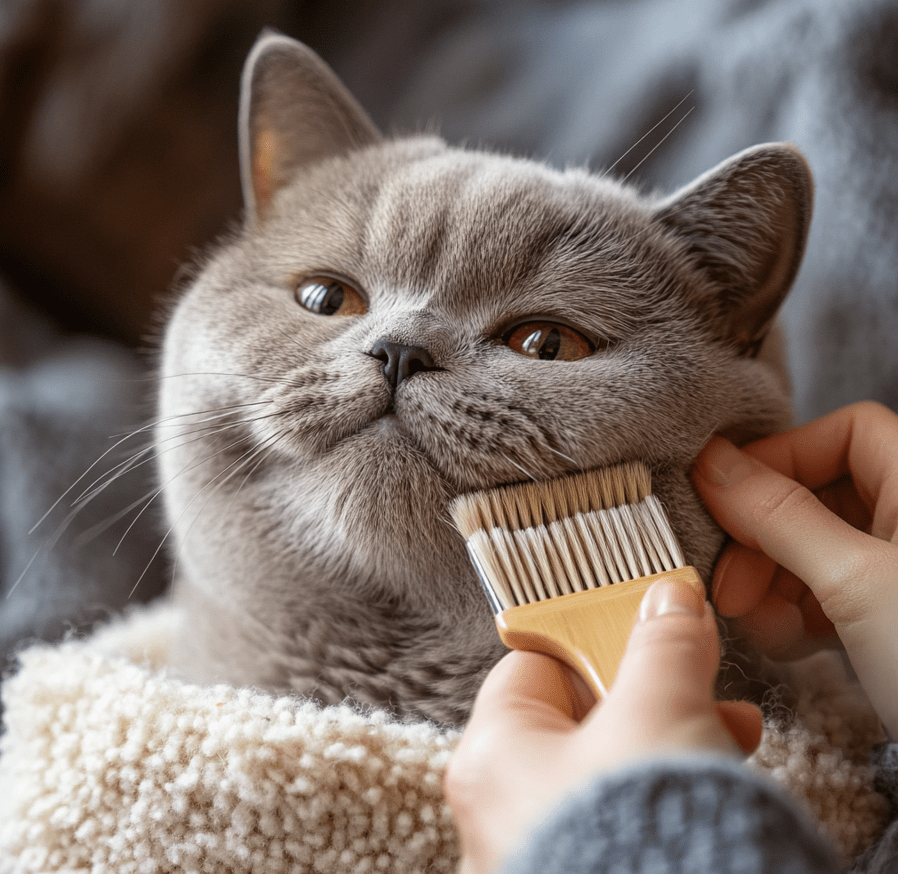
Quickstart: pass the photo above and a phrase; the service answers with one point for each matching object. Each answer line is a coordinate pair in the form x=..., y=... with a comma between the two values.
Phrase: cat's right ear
x=294, y=111
x=744, y=225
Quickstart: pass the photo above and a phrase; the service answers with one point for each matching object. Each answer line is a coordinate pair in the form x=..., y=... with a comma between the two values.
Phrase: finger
x=672, y=657
x=788, y=622
x=860, y=441
x=742, y=577
x=776, y=627
x=526, y=689
x=742, y=580
x=524, y=696
x=767, y=511
x=743, y=721
x=817, y=625
x=841, y=498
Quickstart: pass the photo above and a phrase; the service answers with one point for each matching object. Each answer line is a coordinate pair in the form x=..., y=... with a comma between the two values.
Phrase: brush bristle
x=532, y=541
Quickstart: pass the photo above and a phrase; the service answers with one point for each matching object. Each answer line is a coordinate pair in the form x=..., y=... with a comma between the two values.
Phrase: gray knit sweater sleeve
x=677, y=817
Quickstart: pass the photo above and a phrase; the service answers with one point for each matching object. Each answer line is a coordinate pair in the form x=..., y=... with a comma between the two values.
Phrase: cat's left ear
x=294, y=111
x=745, y=224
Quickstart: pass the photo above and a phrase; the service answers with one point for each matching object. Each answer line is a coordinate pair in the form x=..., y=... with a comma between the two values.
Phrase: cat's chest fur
x=379, y=337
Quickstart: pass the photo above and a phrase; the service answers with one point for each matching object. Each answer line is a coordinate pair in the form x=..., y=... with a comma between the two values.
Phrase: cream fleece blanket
x=110, y=765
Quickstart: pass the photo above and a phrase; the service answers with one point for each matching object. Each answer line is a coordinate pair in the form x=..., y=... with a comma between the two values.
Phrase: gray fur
x=308, y=501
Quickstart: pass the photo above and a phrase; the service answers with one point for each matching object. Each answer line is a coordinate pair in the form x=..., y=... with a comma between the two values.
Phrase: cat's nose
x=401, y=361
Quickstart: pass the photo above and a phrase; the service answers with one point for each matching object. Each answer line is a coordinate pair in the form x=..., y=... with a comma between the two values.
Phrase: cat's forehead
x=457, y=205
x=450, y=226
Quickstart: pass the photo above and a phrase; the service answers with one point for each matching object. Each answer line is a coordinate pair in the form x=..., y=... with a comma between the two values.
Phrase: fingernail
x=671, y=596
x=723, y=464
x=720, y=569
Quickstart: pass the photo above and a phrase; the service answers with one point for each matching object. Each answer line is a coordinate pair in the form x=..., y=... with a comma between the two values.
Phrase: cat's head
x=398, y=321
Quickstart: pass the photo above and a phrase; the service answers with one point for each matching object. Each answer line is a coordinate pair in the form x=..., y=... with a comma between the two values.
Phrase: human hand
x=814, y=514
x=525, y=747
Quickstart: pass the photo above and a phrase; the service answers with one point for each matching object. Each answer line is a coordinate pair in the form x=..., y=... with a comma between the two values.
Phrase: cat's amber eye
x=326, y=296
x=548, y=341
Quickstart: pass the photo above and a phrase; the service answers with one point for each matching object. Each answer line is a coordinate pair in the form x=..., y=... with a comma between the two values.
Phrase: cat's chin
x=388, y=425
x=388, y=502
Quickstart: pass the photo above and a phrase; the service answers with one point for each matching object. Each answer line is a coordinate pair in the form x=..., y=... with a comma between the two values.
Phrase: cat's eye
x=548, y=341
x=326, y=296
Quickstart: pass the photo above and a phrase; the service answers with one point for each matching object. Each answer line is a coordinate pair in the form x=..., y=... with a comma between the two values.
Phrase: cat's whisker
x=563, y=456
x=86, y=497
x=158, y=491
x=83, y=475
x=659, y=144
x=89, y=534
x=257, y=454
x=272, y=442
x=50, y=542
x=121, y=439
x=174, y=524
x=510, y=460
x=270, y=379
x=132, y=464
x=608, y=170
x=163, y=421
x=119, y=470
x=21, y=576
x=217, y=417
x=129, y=464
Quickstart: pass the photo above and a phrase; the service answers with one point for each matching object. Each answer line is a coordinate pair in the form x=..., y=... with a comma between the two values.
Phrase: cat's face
x=399, y=321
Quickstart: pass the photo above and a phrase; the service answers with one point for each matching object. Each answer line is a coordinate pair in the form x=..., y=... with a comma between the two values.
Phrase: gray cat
x=398, y=321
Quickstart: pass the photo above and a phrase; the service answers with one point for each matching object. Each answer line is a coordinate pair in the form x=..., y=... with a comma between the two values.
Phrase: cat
x=398, y=321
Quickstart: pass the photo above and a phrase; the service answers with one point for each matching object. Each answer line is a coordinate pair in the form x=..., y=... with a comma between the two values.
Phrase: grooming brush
x=565, y=563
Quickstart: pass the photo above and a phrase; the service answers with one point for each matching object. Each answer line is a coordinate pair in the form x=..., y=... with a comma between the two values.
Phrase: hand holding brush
x=814, y=516
x=530, y=741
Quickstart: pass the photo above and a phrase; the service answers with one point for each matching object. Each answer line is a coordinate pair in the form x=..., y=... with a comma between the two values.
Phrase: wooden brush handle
x=586, y=630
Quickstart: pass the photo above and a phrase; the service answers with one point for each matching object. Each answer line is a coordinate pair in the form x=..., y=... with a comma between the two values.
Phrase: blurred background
x=118, y=160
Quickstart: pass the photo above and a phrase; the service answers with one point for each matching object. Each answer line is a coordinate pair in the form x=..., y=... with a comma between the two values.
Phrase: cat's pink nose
x=400, y=361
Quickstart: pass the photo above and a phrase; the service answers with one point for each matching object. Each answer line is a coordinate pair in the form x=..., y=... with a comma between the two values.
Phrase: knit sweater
x=677, y=817
x=688, y=815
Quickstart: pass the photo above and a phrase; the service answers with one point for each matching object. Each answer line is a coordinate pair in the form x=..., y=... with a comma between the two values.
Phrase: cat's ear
x=294, y=111
x=745, y=224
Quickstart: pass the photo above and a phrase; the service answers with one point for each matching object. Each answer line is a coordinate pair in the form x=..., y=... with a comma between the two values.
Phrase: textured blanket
x=113, y=165
x=109, y=765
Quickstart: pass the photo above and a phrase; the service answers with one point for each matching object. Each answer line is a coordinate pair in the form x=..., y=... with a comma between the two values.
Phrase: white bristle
x=534, y=541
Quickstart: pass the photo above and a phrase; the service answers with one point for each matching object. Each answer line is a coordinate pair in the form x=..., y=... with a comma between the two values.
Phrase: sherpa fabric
x=111, y=765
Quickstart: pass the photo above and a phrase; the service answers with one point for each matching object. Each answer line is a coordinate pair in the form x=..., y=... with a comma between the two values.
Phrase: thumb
x=527, y=691
x=674, y=645
x=664, y=686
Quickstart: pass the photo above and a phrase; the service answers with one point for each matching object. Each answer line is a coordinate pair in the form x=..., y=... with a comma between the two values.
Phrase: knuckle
x=870, y=410
x=791, y=501
x=472, y=767
x=460, y=785
x=853, y=578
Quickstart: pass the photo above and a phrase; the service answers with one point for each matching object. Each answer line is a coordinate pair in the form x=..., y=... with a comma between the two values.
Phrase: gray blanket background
x=117, y=156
